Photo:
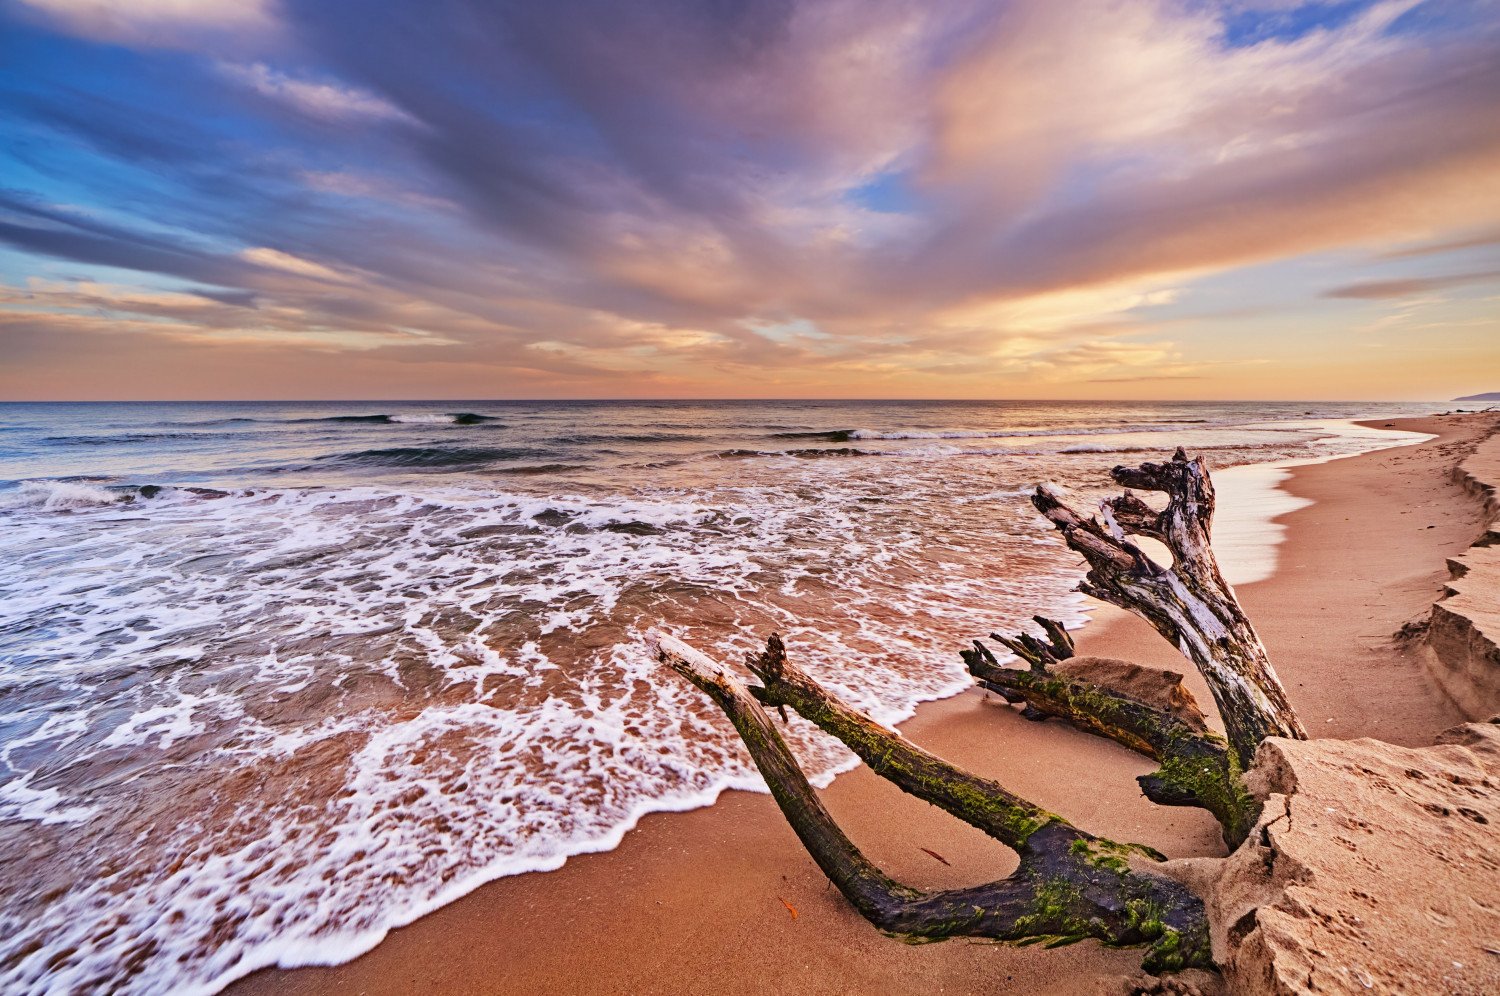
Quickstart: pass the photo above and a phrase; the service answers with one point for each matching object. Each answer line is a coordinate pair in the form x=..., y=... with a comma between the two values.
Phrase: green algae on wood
x=1070, y=886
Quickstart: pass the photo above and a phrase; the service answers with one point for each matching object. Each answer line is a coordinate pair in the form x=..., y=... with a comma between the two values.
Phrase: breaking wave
x=412, y=418
x=810, y=453
x=385, y=418
x=435, y=456
x=55, y=495
x=835, y=436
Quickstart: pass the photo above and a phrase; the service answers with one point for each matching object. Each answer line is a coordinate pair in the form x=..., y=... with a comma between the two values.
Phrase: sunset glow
x=1195, y=199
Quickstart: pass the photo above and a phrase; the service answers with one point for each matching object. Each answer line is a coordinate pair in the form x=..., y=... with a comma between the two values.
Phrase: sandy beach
x=700, y=901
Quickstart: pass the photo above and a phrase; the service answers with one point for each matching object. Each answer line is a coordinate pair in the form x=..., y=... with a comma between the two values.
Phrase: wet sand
x=694, y=902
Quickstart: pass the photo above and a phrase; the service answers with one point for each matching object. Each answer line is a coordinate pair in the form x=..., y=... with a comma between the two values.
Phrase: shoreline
x=631, y=927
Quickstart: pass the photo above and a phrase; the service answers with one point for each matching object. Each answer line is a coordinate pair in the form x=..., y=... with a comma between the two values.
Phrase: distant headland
x=1491, y=396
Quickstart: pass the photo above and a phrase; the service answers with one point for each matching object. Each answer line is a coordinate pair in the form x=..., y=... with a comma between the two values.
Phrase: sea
x=276, y=678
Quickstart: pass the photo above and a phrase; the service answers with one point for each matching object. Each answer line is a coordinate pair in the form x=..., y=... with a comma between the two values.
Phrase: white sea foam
x=19, y=801
x=424, y=418
x=448, y=758
x=56, y=495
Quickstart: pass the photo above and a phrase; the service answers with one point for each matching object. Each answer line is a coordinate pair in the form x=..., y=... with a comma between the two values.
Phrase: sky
x=366, y=199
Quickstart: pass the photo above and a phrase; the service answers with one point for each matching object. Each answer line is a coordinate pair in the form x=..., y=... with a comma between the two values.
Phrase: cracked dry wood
x=1189, y=602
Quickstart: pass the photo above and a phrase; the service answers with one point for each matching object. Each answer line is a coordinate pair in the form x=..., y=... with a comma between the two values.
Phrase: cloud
x=285, y=261
x=327, y=101
x=829, y=193
x=157, y=22
x=346, y=183
x=1478, y=240
x=83, y=246
x=1374, y=290
x=1145, y=379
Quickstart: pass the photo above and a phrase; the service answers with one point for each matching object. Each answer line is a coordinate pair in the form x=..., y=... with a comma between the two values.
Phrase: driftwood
x=1070, y=884
x=1197, y=768
x=1189, y=603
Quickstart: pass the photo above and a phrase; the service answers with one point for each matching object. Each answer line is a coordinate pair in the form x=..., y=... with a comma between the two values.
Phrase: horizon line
x=721, y=400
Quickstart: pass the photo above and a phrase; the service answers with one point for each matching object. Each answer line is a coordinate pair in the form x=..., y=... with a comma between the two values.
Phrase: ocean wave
x=347, y=419
x=924, y=434
x=590, y=439
x=455, y=418
x=832, y=436
x=410, y=418
x=1136, y=448
x=70, y=495
x=810, y=453
x=64, y=495
x=1007, y=434
x=540, y=469
x=435, y=456
x=831, y=452
x=383, y=418
x=126, y=437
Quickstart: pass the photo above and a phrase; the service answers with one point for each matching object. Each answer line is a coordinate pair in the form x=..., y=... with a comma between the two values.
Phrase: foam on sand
x=1246, y=534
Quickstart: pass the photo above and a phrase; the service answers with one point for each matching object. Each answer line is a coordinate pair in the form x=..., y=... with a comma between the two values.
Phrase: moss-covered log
x=980, y=802
x=1070, y=884
x=1197, y=768
x=1189, y=602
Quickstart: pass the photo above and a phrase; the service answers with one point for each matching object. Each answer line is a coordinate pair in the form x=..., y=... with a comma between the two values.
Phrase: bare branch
x=1058, y=646
x=1189, y=603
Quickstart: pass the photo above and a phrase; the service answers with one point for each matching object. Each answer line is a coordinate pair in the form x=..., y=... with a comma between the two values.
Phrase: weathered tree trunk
x=1070, y=884
x=1189, y=603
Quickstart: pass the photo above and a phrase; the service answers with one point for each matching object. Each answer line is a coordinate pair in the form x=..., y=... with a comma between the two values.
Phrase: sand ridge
x=1373, y=868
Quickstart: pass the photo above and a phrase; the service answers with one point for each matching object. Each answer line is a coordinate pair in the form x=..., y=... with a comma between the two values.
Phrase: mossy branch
x=1197, y=768
x=1070, y=884
x=980, y=802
